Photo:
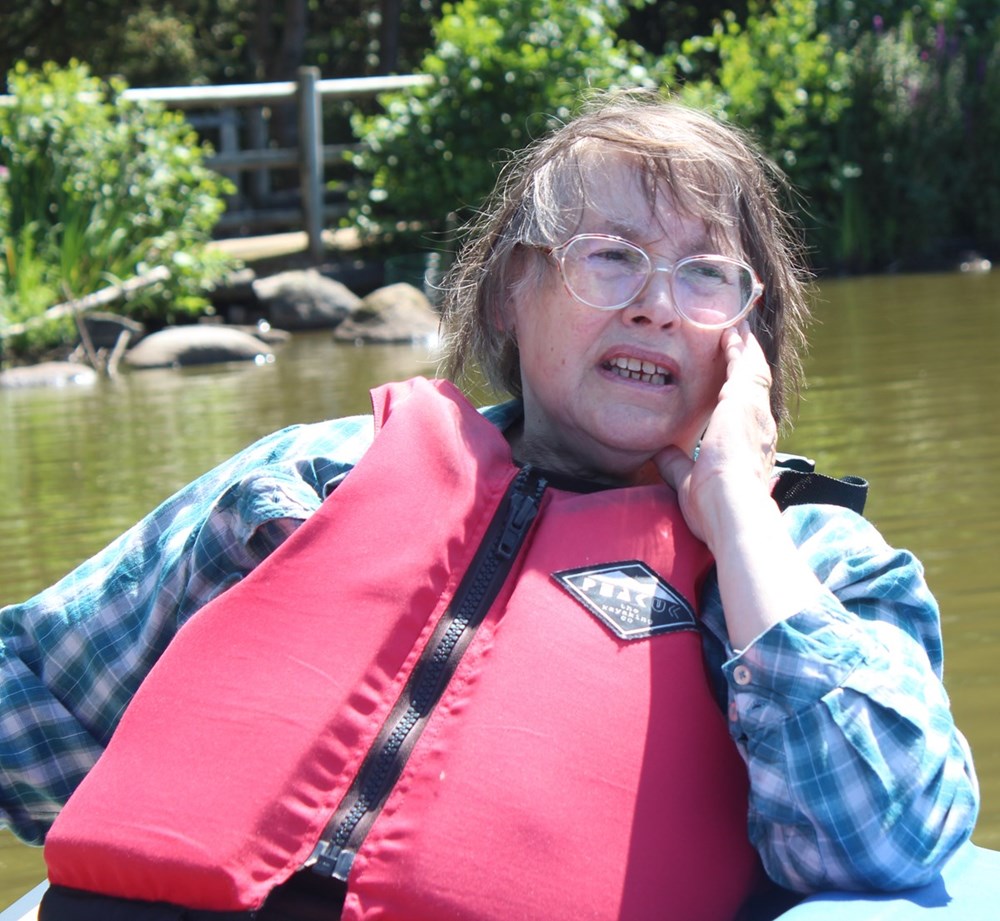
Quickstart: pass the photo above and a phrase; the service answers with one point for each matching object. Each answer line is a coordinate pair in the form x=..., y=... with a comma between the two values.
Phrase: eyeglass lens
x=608, y=274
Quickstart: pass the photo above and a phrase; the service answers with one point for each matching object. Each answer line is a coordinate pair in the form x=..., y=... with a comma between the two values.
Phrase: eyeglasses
x=609, y=273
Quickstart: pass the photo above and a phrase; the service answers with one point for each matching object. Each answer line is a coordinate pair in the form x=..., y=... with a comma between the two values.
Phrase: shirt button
x=734, y=712
x=741, y=675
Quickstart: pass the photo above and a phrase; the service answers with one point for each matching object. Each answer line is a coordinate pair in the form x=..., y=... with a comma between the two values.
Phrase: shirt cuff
x=794, y=664
x=263, y=498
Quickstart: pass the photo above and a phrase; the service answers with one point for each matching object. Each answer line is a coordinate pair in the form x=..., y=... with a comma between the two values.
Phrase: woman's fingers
x=674, y=466
x=742, y=431
x=746, y=362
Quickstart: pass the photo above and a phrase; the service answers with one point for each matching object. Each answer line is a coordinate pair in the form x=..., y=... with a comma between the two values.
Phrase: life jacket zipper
x=382, y=766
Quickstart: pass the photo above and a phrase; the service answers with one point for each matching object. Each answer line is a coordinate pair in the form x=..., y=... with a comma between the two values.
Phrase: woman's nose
x=655, y=303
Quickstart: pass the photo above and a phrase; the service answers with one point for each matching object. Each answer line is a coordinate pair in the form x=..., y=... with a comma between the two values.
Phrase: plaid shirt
x=859, y=778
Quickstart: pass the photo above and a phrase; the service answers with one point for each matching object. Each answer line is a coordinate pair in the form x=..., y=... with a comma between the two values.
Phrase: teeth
x=638, y=370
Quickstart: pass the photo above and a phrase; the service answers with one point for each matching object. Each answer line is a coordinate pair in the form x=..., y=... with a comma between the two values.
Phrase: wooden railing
x=309, y=157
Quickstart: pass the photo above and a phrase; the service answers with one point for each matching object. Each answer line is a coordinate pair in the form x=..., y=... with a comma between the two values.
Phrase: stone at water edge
x=200, y=344
x=395, y=313
x=300, y=300
x=48, y=374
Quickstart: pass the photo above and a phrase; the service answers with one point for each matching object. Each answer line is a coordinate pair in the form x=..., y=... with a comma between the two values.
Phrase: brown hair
x=710, y=171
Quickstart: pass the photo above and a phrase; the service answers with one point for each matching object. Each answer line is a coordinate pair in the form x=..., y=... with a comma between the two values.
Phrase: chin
x=643, y=445
x=623, y=459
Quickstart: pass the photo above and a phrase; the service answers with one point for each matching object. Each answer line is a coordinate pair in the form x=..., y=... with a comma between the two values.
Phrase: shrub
x=981, y=195
x=781, y=77
x=98, y=189
x=881, y=114
x=899, y=141
x=500, y=67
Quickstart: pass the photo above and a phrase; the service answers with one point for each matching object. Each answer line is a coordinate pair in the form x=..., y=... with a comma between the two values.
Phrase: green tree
x=893, y=200
x=98, y=189
x=185, y=42
x=661, y=26
x=980, y=203
x=779, y=76
x=871, y=109
x=501, y=67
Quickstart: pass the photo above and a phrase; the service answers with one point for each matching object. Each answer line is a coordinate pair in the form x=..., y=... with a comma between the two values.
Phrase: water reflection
x=80, y=465
x=903, y=381
x=903, y=389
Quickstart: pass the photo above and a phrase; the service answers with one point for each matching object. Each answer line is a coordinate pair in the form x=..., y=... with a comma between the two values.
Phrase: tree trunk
x=389, y=44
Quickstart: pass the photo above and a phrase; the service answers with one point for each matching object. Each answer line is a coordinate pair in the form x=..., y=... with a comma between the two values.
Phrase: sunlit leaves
x=97, y=189
x=502, y=69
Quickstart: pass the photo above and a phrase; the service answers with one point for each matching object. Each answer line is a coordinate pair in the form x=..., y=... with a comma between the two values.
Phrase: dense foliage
x=502, y=68
x=183, y=42
x=881, y=114
x=96, y=189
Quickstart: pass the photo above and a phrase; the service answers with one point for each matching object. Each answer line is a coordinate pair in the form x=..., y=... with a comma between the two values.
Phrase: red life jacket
x=522, y=662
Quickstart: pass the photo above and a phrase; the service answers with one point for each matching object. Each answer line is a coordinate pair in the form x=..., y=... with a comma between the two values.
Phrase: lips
x=637, y=369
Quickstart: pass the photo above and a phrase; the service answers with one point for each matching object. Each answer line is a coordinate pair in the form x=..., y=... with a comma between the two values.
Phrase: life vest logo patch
x=629, y=599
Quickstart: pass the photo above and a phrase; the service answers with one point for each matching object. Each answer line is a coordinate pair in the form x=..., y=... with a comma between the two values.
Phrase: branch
x=89, y=302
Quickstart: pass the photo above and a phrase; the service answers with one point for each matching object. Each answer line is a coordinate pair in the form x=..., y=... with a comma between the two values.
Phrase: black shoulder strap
x=799, y=484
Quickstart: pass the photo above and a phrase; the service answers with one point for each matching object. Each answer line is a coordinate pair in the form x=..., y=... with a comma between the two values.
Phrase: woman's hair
x=709, y=171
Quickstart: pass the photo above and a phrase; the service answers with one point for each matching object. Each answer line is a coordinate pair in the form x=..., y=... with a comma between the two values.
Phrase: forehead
x=621, y=201
x=642, y=199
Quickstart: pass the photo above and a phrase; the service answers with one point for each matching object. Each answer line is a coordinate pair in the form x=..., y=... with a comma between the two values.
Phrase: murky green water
x=903, y=390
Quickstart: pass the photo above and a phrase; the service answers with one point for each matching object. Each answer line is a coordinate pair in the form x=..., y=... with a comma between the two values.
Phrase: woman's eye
x=707, y=272
x=617, y=256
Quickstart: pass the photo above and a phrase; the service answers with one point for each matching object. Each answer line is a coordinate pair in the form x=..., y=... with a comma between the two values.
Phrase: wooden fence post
x=311, y=159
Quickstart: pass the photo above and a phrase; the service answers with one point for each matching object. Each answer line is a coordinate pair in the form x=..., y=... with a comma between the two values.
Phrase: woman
x=551, y=660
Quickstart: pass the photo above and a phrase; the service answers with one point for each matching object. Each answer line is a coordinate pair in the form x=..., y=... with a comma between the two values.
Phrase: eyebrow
x=631, y=232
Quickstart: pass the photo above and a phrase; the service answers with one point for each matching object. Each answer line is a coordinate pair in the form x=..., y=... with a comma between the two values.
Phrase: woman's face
x=585, y=413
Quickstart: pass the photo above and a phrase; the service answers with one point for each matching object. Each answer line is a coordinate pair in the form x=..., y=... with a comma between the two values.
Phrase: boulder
x=297, y=300
x=263, y=331
x=395, y=313
x=233, y=297
x=235, y=288
x=48, y=374
x=202, y=344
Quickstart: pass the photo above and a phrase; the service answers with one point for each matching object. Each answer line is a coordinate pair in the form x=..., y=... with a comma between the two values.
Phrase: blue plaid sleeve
x=72, y=656
x=859, y=778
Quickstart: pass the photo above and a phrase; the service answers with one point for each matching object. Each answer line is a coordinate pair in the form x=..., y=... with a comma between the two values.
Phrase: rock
x=395, y=313
x=265, y=332
x=297, y=300
x=235, y=288
x=233, y=297
x=201, y=344
x=105, y=328
x=360, y=275
x=48, y=374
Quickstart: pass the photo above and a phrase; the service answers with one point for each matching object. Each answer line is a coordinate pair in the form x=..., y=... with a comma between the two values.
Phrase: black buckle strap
x=303, y=897
x=796, y=487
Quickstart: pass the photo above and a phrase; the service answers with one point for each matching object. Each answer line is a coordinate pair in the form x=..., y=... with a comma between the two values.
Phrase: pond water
x=903, y=383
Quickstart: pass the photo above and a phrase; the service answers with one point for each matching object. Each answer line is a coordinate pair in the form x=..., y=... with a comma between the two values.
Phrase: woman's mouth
x=636, y=369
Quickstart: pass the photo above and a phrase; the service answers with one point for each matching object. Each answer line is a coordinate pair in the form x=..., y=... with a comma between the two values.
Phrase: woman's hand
x=737, y=451
x=725, y=498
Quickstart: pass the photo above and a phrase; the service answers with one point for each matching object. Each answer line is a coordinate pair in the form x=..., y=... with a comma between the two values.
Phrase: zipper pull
x=331, y=861
x=521, y=512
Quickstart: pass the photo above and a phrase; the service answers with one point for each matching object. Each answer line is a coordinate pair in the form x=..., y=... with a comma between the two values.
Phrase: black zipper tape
x=391, y=749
